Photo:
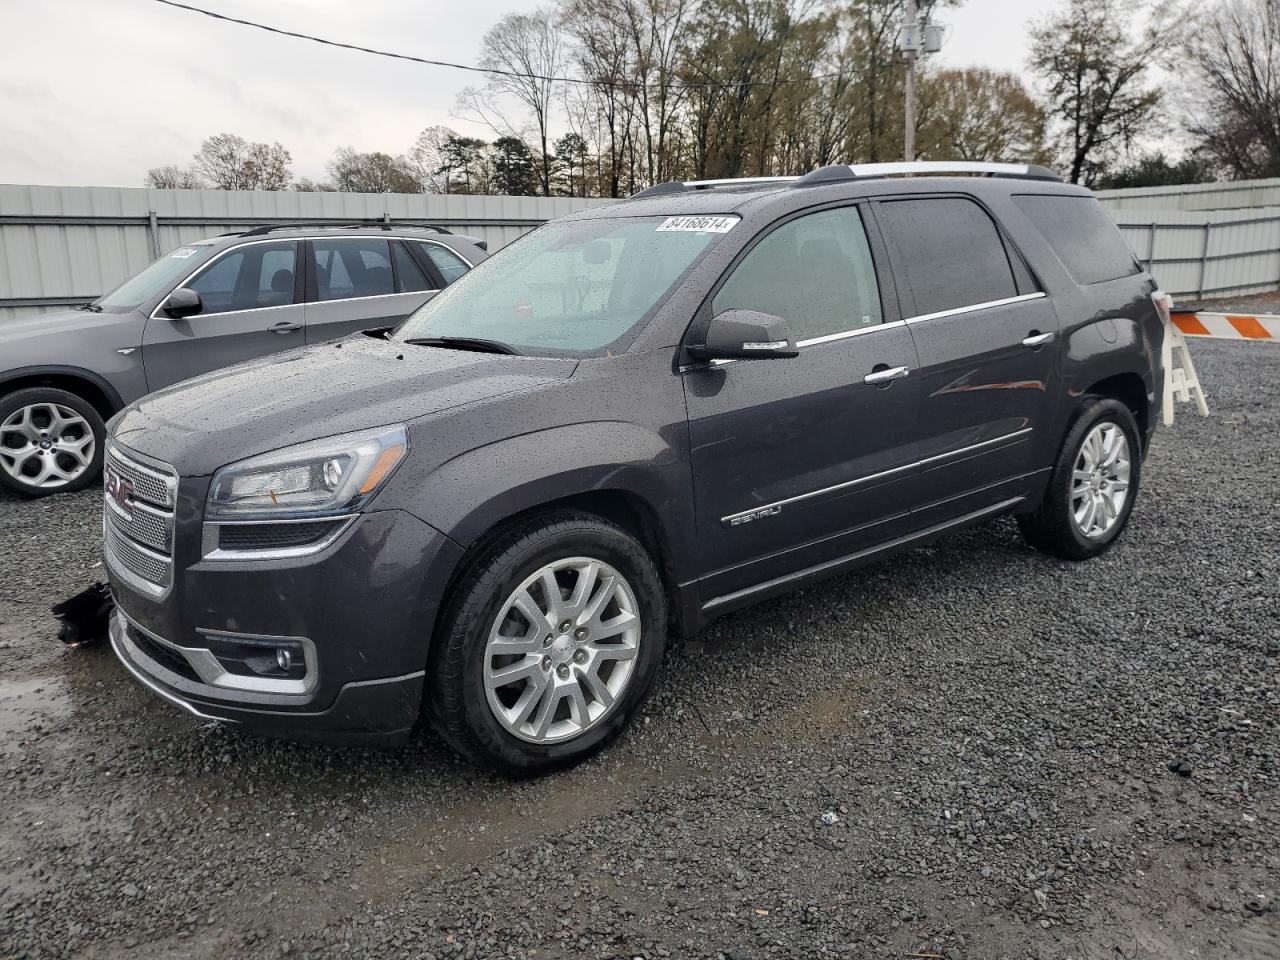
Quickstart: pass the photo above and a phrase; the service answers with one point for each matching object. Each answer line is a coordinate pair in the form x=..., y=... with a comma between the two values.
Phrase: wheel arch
x=1130, y=389
x=91, y=387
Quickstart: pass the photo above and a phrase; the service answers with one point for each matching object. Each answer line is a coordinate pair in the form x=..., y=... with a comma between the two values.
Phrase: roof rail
x=837, y=172
x=676, y=186
x=860, y=171
x=386, y=223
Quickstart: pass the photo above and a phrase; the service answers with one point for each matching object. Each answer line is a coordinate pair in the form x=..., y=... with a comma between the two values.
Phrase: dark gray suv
x=630, y=421
x=203, y=306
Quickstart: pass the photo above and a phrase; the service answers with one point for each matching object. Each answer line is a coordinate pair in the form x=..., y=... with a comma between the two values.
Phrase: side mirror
x=183, y=302
x=745, y=335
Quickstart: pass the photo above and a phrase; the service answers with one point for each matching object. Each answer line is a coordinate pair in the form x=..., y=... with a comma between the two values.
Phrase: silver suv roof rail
x=979, y=168
x=864, y=171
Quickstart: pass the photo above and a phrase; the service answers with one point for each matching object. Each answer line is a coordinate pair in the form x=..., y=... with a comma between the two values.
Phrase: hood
x=68, y=323
x=317, y=391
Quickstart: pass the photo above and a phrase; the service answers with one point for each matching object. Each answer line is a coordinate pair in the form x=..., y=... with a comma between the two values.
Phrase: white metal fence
x=67, y=245
x=1204, y=240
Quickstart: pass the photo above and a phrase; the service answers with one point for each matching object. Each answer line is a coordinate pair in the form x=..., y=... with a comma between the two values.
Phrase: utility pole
x=910, y=48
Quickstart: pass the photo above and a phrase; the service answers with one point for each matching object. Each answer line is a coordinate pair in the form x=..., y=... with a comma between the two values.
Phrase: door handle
x=284, y=326
x=885, y=375
x=1036, y=340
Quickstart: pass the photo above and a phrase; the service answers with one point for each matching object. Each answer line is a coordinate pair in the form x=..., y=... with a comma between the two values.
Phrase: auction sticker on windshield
x=698, y=224
x=183, y=252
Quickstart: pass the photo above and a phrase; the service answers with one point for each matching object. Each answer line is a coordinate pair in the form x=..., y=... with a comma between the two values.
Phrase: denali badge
x=120, y=490
x=741, y=518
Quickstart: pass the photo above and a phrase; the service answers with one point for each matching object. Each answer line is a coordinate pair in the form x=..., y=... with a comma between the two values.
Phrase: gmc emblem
x=120, y=490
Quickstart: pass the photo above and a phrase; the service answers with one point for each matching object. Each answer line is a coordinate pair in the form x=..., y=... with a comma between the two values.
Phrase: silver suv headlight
x=319, y=478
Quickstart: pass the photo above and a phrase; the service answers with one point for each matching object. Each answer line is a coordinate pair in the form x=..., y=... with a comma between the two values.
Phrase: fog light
x=254, y=657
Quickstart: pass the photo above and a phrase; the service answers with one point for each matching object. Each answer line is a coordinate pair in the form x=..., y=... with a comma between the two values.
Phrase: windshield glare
x=158, y=277
x=575, y=288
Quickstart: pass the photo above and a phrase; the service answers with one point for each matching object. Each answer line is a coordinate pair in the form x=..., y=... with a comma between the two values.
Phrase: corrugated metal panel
x=90, y=239
x=1234, y=195
x=1217, y=253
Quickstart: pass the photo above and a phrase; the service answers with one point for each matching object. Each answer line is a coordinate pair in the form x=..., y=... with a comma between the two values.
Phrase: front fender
x=473, y=492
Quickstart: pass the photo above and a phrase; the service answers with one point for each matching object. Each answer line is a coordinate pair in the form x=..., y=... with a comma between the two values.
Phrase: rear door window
x=949, y=251
x=410, y=278
x=1082, y=234
x=352, y=267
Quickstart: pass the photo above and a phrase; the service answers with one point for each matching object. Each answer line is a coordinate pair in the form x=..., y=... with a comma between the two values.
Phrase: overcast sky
x=98, y=91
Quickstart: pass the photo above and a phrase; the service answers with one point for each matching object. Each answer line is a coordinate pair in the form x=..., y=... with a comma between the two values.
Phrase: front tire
x=1093, y=485
x=51, y=441
x=549, y=645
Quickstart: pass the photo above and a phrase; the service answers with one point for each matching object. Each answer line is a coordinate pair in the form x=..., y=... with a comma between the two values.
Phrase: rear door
x=252, y=307
x=986, y=338
x=799, y=461
x=362, y=283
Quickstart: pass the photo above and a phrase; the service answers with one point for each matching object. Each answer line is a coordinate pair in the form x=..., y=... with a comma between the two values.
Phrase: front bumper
x=363, y=609
x=370, y=711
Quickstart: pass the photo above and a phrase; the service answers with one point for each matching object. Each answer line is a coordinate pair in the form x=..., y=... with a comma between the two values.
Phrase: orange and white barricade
x=1228, y=326
x=1181, y=383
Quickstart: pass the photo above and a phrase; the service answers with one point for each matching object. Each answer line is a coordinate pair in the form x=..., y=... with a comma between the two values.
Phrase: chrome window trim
x=974, y=307
x=875, y=476
x=210, y=549
x=154, y=315
x=846, y=334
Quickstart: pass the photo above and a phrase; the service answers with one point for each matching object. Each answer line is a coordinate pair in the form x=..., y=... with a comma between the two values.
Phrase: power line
x=470, y=68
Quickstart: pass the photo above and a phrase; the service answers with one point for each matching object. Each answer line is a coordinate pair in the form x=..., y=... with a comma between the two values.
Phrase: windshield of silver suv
x=575, y=288
x=157, y=278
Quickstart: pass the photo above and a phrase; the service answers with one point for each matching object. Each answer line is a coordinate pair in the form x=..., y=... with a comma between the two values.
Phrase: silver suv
x=205, y=305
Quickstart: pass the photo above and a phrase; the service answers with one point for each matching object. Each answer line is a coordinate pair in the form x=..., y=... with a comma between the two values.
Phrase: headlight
x=318, y=478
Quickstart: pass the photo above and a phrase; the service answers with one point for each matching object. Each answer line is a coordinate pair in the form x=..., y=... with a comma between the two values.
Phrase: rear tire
x=549, y=645
x=1091, y=491
x=51, y=441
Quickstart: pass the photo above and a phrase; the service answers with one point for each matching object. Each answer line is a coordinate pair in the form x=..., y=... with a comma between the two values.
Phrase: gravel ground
x=1019, y=757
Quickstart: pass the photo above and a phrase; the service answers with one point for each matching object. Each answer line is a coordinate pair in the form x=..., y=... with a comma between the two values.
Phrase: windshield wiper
x=478, y=344
x=91, y=307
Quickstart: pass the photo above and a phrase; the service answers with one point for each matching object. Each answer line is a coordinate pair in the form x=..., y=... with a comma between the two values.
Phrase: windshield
x=575, y=288
x=157, y=278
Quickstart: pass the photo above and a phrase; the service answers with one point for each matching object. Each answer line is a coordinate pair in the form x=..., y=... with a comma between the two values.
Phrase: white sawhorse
x=1180, y=382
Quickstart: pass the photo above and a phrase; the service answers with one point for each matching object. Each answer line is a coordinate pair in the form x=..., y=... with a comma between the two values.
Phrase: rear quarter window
x=1082, y=234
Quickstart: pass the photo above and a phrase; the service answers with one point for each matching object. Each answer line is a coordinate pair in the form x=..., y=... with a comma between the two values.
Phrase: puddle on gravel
x=27, y=702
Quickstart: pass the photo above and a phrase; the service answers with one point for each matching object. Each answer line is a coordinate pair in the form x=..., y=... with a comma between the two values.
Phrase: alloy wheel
x=1100, y=480
x=46, y=445
x=562, y=650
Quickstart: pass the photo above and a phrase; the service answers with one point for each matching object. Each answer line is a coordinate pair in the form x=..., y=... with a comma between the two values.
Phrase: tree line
x=599, y=98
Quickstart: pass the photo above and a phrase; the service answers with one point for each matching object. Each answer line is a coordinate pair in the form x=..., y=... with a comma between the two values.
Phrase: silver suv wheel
x=1100, y=480
x=562, y=650
x=46, y=446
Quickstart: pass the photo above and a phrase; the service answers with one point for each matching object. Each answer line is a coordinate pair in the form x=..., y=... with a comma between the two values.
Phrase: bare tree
x=230, y=162
x=529, y=49
x=266, y=167
x=172, y=177
x=355, y=172
x=430, y=160
x=979, y=114
x=1094, y=64
x=1235, y=60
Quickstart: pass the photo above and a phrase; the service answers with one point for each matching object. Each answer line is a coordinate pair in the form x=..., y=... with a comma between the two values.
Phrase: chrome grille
x=149, y=483
x=131, y=558
x=138, y=520
x=152, y=528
